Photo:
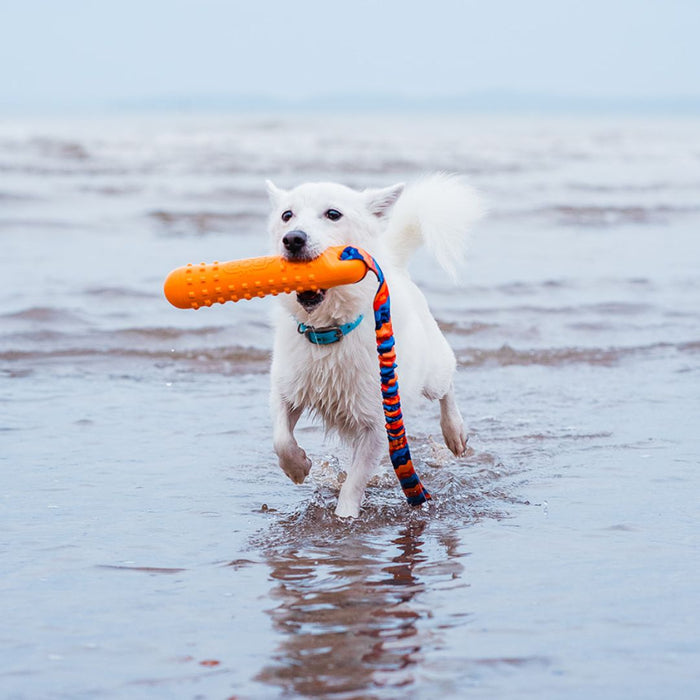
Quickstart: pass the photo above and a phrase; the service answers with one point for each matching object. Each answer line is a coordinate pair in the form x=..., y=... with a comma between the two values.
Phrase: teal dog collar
x=328, y=334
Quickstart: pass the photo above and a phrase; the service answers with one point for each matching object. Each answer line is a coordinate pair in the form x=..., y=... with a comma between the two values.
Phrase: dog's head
x=308, y=219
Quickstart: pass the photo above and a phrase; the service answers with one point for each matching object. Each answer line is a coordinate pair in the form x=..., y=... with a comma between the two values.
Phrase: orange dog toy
x=193, y=286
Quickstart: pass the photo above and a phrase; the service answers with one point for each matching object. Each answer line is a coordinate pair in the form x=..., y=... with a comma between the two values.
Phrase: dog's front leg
x=293, y=460
x=369, y=448
x=452, y=425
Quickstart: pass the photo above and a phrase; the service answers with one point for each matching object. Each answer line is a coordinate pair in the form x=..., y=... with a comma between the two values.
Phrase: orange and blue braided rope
x=399, y=452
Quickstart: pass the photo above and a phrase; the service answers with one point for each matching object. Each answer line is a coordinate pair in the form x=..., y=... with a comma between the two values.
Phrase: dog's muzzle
x=294, y=243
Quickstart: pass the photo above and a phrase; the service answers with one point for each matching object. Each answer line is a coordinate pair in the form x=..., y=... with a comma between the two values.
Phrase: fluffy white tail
x=437, y=211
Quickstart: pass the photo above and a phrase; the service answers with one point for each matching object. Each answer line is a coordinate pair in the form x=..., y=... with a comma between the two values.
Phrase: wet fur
x=340, y=382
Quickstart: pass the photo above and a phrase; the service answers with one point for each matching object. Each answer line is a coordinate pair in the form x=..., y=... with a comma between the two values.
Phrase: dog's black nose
x=294, y=241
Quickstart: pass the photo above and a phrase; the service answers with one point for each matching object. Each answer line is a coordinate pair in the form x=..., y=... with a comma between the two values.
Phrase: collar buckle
x=321, y=336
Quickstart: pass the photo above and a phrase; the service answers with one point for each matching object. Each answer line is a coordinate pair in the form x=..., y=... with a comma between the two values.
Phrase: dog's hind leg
x=292, y=459
x=452, y=425
x=370, y=445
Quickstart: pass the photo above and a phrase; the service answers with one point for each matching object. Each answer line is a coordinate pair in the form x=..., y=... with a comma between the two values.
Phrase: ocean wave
x=170, y=333
x=59, y=149
x=203, y=222
x=605, y=215
x=13, y=224
x=13, y=196
x=474, y=328
x=223, y=361
x=112, y=190
x=117, y=293
x=591, y=215
x=188, y=347
x=49, y=147
x=151, y=339
x=44, y=314
x=633, y=188
x=519, y=311
x=506, y=356
x=47, y=169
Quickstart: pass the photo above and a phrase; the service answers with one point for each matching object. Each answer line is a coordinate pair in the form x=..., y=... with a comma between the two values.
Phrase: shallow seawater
x=150, y=546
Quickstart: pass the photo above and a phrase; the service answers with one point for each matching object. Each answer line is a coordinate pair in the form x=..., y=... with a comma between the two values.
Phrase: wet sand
x=152, y=548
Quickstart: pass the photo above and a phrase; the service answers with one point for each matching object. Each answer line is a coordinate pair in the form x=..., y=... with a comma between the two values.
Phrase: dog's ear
x=379, y=202
x=273, y=192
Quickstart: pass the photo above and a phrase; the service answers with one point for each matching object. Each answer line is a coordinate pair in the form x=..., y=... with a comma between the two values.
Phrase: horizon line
x=477, y=102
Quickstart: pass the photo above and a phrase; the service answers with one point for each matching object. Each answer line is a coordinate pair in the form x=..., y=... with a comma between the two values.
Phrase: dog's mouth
x=310, y=300
x=301, y=256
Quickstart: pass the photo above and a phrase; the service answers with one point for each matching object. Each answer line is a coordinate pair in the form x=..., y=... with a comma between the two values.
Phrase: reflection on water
x=361, y=606
x=351, y=609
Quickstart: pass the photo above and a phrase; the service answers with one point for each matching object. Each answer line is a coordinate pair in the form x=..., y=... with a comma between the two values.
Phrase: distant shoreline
x=485, y=103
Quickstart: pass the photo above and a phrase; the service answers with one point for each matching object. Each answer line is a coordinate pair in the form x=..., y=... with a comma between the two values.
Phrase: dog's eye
x=287, y=215
x=333, y=214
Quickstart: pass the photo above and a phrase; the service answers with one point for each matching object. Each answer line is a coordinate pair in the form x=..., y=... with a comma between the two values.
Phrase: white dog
x=338, y=380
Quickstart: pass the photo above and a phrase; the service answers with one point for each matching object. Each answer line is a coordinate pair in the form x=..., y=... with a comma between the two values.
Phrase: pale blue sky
x=94, y=52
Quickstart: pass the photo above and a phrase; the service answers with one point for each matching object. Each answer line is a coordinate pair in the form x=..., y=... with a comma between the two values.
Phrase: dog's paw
x=350, y=497
x=456, y=437
x=295, y=464
x=346, y=509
